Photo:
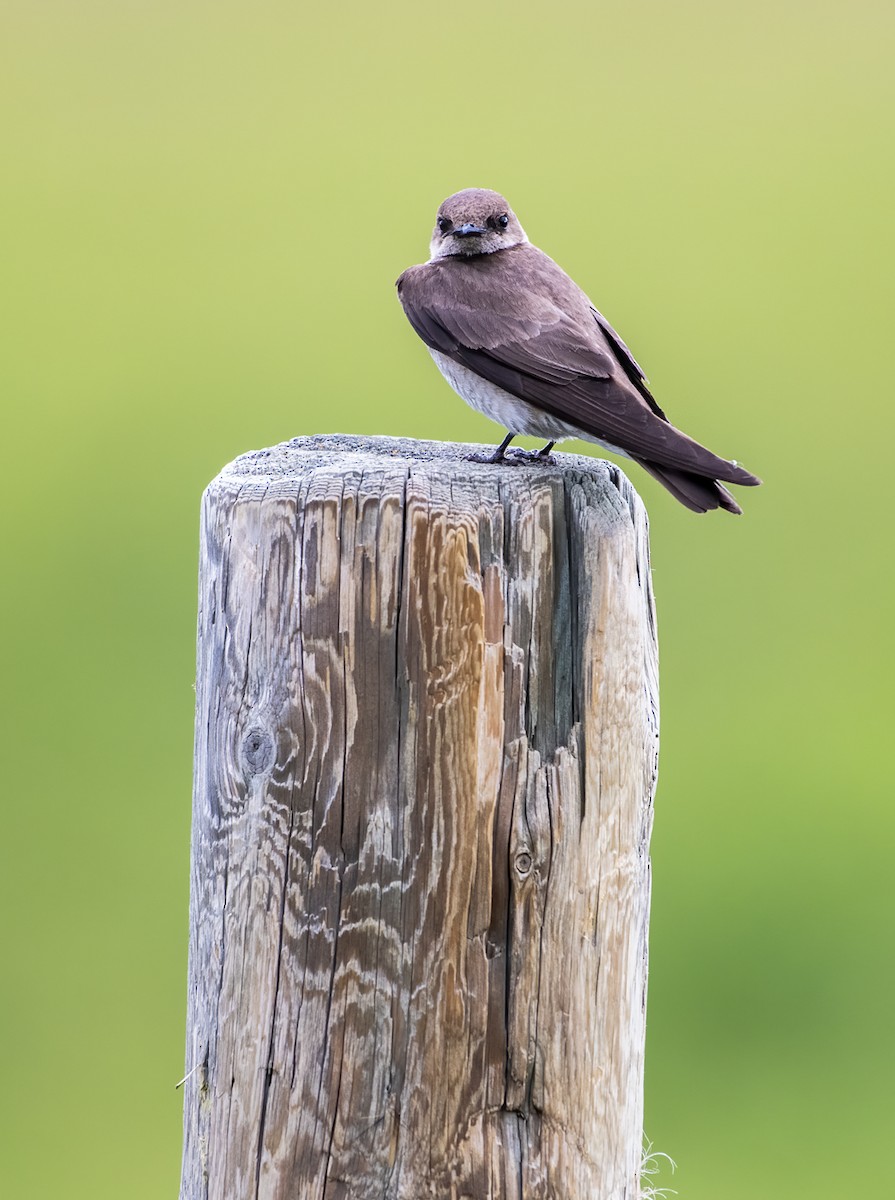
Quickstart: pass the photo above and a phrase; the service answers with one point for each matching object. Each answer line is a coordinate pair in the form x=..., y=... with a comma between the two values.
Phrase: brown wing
x=516, y=319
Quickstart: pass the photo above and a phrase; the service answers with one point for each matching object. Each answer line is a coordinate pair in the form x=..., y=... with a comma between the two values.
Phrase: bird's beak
x=468, y=230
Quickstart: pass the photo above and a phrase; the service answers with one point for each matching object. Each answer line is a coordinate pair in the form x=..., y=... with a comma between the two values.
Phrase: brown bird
x=522, y=343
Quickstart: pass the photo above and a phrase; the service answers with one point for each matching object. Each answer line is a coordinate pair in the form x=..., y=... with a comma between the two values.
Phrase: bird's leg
x=499, y=454
x=542, y=455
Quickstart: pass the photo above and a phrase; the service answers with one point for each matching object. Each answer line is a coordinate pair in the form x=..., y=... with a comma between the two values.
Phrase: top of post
x=352, y=453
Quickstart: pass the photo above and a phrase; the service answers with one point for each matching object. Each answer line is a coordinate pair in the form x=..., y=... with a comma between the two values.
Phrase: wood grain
x=426, y=748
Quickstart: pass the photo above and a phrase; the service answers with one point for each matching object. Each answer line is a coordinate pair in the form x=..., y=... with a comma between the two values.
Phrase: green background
x=203, y=209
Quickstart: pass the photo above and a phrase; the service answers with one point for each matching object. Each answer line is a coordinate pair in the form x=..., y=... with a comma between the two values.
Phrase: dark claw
x=536, y=456
x=499, y=454
x=491, y=458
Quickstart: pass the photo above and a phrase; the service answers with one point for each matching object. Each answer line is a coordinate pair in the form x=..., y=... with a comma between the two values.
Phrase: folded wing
x=516, y=319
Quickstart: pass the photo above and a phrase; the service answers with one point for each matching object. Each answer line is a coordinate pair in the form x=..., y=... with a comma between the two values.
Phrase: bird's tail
x=697, y=492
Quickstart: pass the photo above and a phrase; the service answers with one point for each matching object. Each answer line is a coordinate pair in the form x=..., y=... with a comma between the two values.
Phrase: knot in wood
x=257, y=751
x=523, y=864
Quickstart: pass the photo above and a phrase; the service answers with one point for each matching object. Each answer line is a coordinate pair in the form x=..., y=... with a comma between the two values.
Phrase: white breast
x=515, y=415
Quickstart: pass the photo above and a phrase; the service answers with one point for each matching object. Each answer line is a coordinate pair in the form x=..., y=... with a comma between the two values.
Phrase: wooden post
x=426, y=744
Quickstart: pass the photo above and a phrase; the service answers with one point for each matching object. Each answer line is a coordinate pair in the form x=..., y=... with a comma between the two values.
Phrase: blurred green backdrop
x=200, y=200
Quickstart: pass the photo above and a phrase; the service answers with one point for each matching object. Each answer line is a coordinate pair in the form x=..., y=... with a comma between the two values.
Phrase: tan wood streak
x=426, y=739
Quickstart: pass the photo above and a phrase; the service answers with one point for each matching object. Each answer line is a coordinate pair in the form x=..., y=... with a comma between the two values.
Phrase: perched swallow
x=522, y=343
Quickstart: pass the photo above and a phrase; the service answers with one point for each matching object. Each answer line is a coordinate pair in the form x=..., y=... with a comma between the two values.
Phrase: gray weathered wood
x=426, y=744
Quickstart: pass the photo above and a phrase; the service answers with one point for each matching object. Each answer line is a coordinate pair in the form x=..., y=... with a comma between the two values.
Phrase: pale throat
x=449, y=247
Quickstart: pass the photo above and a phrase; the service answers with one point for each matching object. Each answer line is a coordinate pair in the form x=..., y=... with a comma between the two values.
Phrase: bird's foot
x=535, y=456
x=497, y=456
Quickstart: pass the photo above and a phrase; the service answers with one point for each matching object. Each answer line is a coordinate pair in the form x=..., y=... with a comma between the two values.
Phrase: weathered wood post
x=426, y=743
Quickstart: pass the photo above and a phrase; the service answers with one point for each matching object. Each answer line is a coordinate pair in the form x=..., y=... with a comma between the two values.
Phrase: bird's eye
x=503, y=221
x=444, y=224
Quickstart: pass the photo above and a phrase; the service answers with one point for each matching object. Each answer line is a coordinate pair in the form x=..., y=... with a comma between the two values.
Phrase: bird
x=520, y=341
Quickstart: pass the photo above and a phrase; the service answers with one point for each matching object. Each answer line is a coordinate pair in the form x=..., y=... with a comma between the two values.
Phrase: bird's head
x=474, y=221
